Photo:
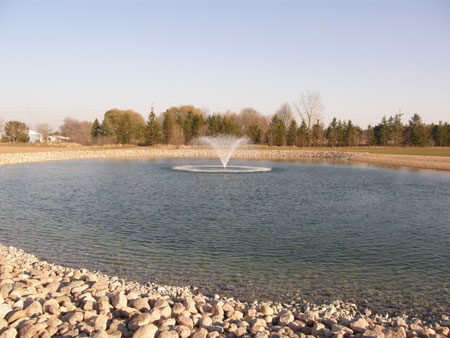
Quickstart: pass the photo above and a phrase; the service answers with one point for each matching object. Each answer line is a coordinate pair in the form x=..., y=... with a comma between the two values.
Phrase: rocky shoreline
x=186, y=152
x=39, y=299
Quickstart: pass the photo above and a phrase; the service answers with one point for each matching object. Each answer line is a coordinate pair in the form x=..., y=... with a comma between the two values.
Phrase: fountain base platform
x=221, y=169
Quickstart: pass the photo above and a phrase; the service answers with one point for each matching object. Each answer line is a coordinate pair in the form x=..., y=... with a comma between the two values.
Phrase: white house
x=34, y=136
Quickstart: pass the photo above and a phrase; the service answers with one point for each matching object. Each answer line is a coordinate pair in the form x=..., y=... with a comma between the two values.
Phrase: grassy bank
x=420, y=151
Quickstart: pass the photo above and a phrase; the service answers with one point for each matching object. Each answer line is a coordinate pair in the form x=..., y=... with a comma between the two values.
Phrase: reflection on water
x=321, y=231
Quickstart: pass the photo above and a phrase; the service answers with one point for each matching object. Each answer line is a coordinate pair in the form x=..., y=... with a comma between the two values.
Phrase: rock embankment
x=39, y=299
x=16, y=158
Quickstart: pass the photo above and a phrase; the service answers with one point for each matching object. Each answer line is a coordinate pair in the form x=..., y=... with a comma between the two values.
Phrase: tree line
x=180, y=125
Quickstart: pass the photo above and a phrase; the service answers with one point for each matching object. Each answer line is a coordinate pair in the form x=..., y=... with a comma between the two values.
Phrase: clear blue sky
x=366, y=57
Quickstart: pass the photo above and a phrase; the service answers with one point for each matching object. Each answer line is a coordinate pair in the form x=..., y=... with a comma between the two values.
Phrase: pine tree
x=303, y=139
x=332, y=133
x=96, y=129
x=153, y=133
x=276, y=132
x=292, y=134
x=416, y=132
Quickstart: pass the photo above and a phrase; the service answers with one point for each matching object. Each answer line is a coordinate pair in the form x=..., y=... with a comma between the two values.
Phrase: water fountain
x=224, y=146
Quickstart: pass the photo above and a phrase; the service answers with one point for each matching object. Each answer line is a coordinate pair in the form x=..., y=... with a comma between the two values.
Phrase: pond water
x=318, y=231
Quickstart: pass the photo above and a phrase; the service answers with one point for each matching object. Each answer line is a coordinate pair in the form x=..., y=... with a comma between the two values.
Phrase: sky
x=367, y=58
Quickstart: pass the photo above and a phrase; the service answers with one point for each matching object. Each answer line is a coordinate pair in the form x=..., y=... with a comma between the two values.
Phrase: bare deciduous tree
x=44, y=129
x=1, y=125
x=310, y=107
x=251, y=117
x=285, y=114
x=76, y=131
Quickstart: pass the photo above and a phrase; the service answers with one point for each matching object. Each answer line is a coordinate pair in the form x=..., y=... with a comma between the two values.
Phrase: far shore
x=429, y=158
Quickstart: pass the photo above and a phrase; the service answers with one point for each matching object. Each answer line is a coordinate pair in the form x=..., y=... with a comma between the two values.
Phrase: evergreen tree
x=441, y=134
x=152, y=130
x=221, y=124
x=292, y=134
x=416, y=132
x=255, y=133
x=303, y=139
x=370, y=136
x=351, y=134
x=382, y=132
x=341, y=133
x=96, y=129
x=395, y=130
x=276, y=132
x=318, y=134
x=332, y=133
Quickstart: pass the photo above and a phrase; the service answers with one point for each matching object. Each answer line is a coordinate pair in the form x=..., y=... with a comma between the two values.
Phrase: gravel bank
x=16, y=158
x=409, y=161
x=39, y=299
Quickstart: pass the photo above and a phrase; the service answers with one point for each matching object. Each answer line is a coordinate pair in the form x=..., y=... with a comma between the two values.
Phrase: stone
x=183, y=331
x=73, y=317
x=4, y=310
x=240, y=332
x=258, y=325
x=100, y=334
x=140, y=304
x=13, y=316
x=286, y=317
x=88, y=305
x=397, y=332
x=119, y=301
x=114, y=333
x=178, y=308
x=28, y=331
x=51, y=302
x=443, y=331
x=236, y=315
x=100, y=285
x=165, y=311
x=160, y=303
x=185, y=321
x=205, y=321
x=317, y=329
x=341, y=330
x=155, y=315
x=9, y=333
x=100, y=322
x=34, y=308
x=376, y=332
x=146, y=331
x=5, y=289
x=360, y=325
x=266, y=310
x=200, y=333
x=85, y=328
x=168, y=334
x=139, y=320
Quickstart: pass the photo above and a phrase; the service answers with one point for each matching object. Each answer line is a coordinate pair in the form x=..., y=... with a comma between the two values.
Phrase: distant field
x=426, y=151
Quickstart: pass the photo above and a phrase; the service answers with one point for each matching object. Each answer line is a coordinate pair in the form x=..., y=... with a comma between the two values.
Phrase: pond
x=314, y=231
